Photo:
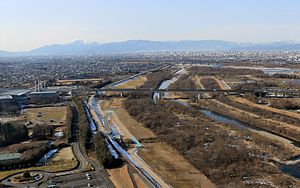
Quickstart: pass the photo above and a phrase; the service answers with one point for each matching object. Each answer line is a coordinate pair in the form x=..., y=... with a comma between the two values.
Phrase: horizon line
x=149, y=40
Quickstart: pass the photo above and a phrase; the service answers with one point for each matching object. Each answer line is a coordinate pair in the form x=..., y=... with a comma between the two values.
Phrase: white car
x=88, y=176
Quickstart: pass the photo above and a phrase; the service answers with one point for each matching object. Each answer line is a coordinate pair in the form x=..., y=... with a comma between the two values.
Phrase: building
x=44, y=97
x=12, y=99
x=8, y=105
x=9, y=158
x=19, y=95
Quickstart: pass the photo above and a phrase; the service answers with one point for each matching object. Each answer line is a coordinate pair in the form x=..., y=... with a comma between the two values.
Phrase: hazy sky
x=27, y=24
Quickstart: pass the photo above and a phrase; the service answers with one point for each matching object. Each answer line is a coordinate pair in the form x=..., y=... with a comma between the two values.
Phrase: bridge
x=147, y=90
x=271, y=93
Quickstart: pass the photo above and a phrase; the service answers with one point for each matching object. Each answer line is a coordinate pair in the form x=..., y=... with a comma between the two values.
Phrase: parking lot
x=80, y=180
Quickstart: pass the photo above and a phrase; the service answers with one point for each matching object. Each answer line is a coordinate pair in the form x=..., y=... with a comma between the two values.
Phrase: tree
x=11, y=134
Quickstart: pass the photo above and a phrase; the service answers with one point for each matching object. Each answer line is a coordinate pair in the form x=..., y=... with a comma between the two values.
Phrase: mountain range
x=133, y=46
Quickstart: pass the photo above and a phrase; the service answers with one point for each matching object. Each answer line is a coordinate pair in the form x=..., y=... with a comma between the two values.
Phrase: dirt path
x=282, y=112
x=221, y=83
x=197, y=80
x=254, y=116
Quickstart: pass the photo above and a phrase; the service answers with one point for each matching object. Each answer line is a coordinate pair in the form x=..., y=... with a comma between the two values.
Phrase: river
x=166, y=83
x=292, y=170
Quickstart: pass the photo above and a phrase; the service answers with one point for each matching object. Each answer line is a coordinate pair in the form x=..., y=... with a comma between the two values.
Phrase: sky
x=28, y=24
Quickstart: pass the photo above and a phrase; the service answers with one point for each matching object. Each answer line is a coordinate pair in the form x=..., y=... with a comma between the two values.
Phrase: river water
x=166, y=83
x=266, y=70
x=292, y=170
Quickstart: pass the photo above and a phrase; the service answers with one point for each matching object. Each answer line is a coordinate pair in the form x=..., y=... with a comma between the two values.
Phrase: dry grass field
x=120, y=177
x=74, y=81
x=123, y=119
x=174, y=169
x=61, y=161
x=135, y=83
x=47, y=115
x=279, y=111
x=64, y=154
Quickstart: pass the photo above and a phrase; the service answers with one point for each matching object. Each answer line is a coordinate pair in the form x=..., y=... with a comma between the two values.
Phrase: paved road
x=100, y=175
x=133, y=155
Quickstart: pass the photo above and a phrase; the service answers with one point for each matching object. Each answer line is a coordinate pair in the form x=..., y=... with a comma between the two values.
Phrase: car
x=88, y=176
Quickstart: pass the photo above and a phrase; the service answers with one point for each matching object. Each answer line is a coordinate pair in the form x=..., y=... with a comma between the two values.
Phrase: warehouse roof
x=15, y=92
x=43, y=92
x=9, y=156
x=6, y=97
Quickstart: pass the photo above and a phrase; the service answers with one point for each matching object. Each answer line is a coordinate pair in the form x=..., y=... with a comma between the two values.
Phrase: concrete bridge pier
x=121, y=95
x=158, y=96
x=200, y=96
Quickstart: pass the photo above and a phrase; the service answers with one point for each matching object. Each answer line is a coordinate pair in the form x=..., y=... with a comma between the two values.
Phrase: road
x=70, y=178
x=131, y=157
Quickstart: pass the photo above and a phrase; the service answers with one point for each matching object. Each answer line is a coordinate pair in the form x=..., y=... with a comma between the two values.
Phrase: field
x=161, y=158
x=47, y=115
x=74, y=81
x=125, y=121
x=135, y=83
x=120, y=177
x=62, y=161
x=262, y=107
x=157, y=155
x=63, y=155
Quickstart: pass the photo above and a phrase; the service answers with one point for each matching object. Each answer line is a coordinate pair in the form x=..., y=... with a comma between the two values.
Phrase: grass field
x=60, y=162
x=135, y=83
x=72, y=81
x=123, y=119
x=120, y=177
x=65, y=154
x=47, y=115
x=279, y=111
x=172, y=167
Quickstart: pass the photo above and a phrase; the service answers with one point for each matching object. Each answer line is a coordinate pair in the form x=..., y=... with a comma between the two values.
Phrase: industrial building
x=9, y=158
x=18, y=95
x=43, y=97
x=11, y=101
x=8, y=105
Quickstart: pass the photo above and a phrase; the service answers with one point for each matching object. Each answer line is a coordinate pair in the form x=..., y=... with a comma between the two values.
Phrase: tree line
x=83, y=123
x=12, y=133
x=154, y=79
x=224, y=71
x=209, y=147
x=69, y=124
x=102, y=152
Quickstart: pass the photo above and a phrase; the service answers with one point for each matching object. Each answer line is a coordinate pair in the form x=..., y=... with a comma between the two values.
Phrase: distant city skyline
x=25, y=25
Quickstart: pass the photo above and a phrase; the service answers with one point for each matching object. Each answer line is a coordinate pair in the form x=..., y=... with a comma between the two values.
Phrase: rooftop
x=6, y=97
x=43, y=92
x=9, y=156
x=16, y=92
